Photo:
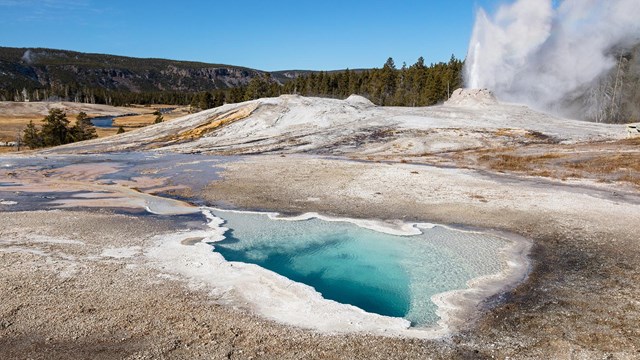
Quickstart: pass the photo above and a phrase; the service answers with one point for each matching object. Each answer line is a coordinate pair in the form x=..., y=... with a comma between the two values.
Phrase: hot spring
x=377, y=272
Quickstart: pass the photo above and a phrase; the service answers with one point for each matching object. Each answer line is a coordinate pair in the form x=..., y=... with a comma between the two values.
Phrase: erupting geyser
x=546, y=55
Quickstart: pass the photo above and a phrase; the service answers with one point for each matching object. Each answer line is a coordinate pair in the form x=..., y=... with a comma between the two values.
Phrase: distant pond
x=107, y=121
x=103, y=121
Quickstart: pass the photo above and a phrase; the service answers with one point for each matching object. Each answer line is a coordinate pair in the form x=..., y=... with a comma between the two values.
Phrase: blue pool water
x=103, y=121
x=379, y=273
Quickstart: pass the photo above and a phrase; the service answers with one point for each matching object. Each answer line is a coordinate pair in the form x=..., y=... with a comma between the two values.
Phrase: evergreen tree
x=32, y=137
x=83, y=129
x=120, y=130
x=205, y=101
x=236, y=95
x=159, y=118
x=219, y=98
x=258, y=87
x=55, y=130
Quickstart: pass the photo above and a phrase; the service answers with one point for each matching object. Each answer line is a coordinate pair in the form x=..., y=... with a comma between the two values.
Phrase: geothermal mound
x=471, y=97
x=359, y=100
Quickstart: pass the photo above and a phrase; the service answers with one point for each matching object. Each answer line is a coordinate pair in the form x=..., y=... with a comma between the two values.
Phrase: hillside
x=34, y=68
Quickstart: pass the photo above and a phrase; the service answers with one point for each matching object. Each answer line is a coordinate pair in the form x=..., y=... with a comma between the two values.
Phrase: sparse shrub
x=159, y=117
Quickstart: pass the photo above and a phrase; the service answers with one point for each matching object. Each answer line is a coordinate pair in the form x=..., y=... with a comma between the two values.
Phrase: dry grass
x=620, y=167
x=137, y=121
x=608, y=164
x=612, y=162
x=7, y=149
x=10, y=126
x=507, y=162
x=630, y=141
x=630, y=179
x=103, y=132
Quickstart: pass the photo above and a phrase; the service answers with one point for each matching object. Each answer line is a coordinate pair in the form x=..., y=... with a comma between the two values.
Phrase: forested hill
x=38, y=74
x=67, y=70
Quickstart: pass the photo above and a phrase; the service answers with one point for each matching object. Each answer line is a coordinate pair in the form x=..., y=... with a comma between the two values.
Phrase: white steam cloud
x=535, y=53
x=27, y=57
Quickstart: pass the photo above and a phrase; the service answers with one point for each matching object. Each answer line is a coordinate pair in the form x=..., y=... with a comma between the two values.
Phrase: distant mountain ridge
x=33, y=68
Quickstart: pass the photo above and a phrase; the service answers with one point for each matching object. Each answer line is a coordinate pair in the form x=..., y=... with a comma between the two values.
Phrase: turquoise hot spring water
x=380, y=273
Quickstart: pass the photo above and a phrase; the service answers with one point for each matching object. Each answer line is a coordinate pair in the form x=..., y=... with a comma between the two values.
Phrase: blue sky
x=267, y=35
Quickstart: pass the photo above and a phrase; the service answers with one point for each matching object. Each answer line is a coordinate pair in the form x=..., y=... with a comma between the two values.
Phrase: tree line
x=415, y=85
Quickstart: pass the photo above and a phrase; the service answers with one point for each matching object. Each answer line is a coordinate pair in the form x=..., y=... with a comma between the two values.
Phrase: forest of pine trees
x=415, y=85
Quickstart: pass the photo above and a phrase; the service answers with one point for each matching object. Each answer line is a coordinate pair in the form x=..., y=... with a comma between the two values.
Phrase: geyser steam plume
x=547, y=56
